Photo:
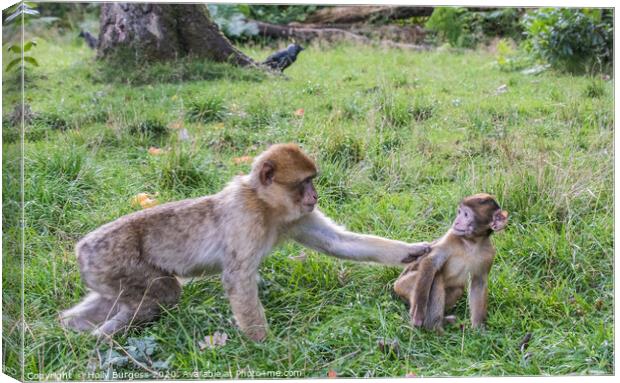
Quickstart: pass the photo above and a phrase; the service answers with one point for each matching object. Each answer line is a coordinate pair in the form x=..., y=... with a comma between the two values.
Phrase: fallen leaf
x=174, y=97
x=111, y=358
x=301, y=257
x=219, y=126
x=299, y=112
x=155, y=151
x=332, y=374
x=143, y=200
x=242, y=160
x=141, y=348
x=163, y=364
x=149, y=203
x=212, y=341
x=135, y=201
x=178, y=124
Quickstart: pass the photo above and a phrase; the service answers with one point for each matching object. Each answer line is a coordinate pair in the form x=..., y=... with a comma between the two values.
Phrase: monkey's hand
x=416, y=251
x=256, y=333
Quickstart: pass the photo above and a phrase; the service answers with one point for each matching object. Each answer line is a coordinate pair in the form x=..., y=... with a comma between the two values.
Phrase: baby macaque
x=434, y=283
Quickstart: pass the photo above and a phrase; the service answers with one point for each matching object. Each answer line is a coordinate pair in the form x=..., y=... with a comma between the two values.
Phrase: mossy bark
x=159, y=32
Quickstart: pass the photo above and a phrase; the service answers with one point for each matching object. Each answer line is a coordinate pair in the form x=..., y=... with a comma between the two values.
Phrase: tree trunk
x=348, y=14
x=305, y=34
x=412, y=34
x=155, y=32
x=328, y=34
x=363, y=13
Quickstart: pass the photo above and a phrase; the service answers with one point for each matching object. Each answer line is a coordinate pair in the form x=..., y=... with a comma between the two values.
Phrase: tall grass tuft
x=182, y=169
x=207, y=109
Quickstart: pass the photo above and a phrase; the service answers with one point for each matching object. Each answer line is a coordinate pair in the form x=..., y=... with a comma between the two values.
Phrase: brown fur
x=290, y=163
x=436, y=282
x=132, y=265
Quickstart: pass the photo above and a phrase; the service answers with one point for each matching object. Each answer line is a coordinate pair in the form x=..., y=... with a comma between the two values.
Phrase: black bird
x=90, y=39
x=284, y=58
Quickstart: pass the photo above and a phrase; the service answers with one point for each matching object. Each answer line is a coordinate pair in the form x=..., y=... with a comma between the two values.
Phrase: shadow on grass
x=181, y=70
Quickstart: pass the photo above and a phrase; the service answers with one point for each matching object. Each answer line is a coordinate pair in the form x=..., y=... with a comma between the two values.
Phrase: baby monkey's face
x=479, y=215
x=464, y=224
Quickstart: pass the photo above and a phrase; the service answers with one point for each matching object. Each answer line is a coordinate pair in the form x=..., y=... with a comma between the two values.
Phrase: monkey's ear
x=267, y=171
x=500, y=220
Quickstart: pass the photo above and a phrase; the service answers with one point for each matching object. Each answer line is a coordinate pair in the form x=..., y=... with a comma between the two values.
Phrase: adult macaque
x=131, y=264
x=435, y=283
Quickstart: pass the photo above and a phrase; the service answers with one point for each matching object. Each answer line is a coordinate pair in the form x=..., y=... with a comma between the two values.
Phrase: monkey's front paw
x=76, y=323
x=100, y=333
x=257, y=334
x=416, y=251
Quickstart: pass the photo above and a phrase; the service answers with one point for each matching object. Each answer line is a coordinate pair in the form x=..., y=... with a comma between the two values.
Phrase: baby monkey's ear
x=499, y=221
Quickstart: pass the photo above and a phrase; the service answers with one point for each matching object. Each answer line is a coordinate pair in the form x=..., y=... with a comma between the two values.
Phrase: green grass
x=400, y=138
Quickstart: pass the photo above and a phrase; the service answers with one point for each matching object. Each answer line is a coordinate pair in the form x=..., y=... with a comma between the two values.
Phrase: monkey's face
x=307, y=194
x=301, y=194
x=477, y=217
x=287, y=182
x=297, y=198
x=464, y=224
x=293, y=199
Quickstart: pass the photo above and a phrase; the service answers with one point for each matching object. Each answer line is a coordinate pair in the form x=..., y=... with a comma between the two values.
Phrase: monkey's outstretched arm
x=318, y=232
x=427, y=272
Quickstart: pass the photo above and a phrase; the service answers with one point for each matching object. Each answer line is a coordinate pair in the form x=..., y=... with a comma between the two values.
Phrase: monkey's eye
x=304, y=183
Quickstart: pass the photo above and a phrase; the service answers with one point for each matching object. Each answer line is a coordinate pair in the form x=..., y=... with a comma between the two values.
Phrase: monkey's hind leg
x=88, y=314
x=126, y=317
x=452, y=296
x=436, y=305
x=161, y=291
